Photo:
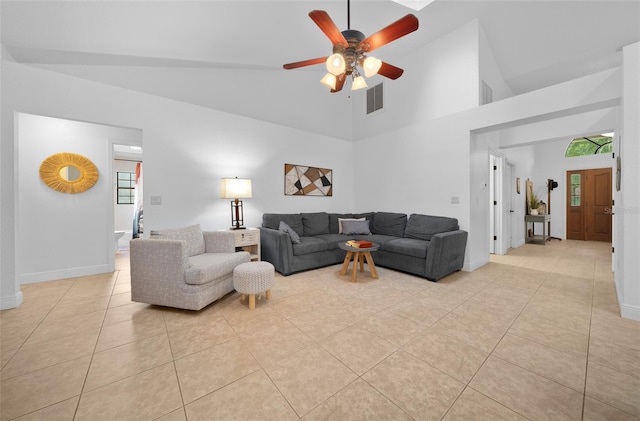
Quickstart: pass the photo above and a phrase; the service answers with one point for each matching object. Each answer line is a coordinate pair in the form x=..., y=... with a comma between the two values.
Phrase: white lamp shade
x=329, y=81
x=235, y=188
x=371, y=66
x=335, y=64
x=358, y=83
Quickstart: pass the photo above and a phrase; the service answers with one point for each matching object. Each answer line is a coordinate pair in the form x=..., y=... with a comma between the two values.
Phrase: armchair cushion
x=207, y=267
x=191, y=235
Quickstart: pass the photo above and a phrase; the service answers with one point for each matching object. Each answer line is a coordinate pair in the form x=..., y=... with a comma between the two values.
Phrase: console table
x=542, y=219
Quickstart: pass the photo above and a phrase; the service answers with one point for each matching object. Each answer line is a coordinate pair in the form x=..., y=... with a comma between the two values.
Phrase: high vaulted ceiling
x=536, y=43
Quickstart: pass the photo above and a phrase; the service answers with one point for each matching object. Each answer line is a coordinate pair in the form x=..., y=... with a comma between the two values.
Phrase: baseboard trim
x=11, y=302
x=630, y=312
x=54, y=275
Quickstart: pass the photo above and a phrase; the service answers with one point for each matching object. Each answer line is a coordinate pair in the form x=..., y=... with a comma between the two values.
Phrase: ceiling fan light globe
x=358, y=83
x=329, y=81
x=336, y=64
x=371, y=66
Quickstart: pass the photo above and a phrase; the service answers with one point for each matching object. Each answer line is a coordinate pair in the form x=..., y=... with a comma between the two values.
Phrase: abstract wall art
x=300, y=180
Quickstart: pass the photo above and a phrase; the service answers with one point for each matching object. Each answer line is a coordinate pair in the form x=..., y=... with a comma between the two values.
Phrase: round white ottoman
x=253, y=278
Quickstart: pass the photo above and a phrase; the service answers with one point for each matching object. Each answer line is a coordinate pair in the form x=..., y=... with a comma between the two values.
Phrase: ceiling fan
x=350, y=47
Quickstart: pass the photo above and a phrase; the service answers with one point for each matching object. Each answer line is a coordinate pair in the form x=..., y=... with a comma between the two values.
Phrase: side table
x=248, y=240
x=358, y=255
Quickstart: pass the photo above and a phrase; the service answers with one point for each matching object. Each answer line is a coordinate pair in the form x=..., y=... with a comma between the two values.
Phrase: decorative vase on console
x=534, y=202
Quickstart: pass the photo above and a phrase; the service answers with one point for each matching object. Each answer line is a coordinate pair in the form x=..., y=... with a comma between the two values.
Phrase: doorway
x=589, y=204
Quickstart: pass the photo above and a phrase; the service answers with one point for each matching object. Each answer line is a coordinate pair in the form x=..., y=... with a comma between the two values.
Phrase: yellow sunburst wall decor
x=68, y=172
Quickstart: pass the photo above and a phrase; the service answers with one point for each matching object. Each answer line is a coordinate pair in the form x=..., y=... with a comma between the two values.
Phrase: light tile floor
x=534, y=334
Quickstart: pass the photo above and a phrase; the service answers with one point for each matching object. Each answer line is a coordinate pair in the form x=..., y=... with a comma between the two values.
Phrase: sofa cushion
x=355, y=227
x=333, y=221
x=208, y=267
x=191, y=235
x=389, y=223
x=423, y=227
x=332, y=240
x=315, y=223
x=293, y=236
x=309, y=245
x=294, y=220
x=366, y=215
x=376, y=238
x=408, y=246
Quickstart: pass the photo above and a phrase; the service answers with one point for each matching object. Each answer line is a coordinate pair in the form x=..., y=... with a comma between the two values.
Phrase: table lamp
x=236, y=188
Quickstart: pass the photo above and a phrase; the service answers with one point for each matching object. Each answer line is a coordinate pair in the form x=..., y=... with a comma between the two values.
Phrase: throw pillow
x=295, y=238
x=355, y=227
x=341, y=220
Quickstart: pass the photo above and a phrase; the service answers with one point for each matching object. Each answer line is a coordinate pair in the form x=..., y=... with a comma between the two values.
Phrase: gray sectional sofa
x=423, y=245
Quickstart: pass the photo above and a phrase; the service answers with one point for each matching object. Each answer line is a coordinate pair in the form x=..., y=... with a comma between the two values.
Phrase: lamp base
x=238, y=228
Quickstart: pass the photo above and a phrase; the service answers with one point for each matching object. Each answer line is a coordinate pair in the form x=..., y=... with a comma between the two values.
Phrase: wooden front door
x=589, y=204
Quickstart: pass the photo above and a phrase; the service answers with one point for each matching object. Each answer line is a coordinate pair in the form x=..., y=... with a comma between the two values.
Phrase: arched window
x=590, y=145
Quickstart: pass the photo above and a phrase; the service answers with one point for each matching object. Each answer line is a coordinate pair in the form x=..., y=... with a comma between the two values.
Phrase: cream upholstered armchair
x=183, y=267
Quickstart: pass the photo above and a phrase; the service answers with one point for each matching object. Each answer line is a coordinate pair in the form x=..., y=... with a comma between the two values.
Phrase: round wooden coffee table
x=358, y=255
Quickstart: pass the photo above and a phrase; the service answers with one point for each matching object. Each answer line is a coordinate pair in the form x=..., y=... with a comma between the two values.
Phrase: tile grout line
x=175, y=370
x=86, y=376
x=586, y=368
x=492, y=351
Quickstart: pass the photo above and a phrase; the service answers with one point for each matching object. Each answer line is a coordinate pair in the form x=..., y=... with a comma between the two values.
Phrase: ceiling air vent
x=374, y=99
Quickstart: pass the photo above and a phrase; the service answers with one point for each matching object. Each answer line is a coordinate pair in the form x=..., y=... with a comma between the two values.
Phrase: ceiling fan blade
x=324, y=22
x=304, y=63
x=340, y=80
x=390, y=71
x=397, y=29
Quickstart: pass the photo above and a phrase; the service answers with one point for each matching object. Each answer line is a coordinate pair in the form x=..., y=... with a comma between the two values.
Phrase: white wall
x=628, y=199
x=265, y=94
x=440, y=79
x=63, y=235
x=10, y=294
x=489, y=70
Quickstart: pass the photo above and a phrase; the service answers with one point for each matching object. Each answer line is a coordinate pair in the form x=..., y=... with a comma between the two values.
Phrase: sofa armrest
x=445, y=254
x=157, y=268
x=276, y=248
x=219, y=242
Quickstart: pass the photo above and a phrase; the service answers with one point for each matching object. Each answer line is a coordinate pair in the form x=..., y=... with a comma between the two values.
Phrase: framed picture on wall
x=300, y=180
